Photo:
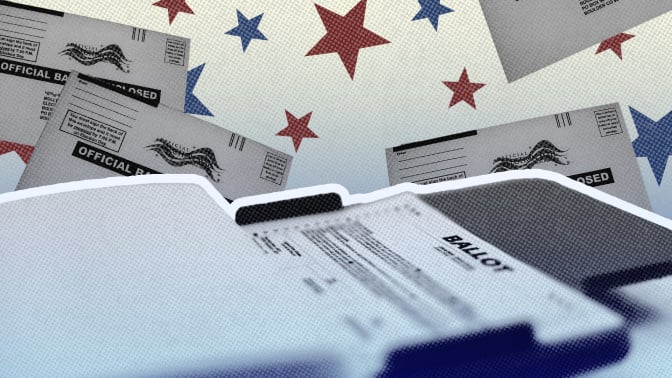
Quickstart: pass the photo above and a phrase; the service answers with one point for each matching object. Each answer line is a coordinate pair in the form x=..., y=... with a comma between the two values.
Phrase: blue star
x=654, y=141
x=431, y=10
x=192, y=105
x=247, y=30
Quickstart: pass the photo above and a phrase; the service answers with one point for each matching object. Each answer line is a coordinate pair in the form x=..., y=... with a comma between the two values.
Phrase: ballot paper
x=149, y=276
x=590, y=145
x=97, y=132
x=403, y=254
x=532, y=34
x=39, y=48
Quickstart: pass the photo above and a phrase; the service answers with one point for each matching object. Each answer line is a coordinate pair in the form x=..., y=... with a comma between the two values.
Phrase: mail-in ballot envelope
x=39, y=48
x=590, y=145
x=532, y=34
x=97, y=132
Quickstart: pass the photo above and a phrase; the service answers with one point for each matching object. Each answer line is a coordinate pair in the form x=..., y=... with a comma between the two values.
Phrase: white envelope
x=144, y=276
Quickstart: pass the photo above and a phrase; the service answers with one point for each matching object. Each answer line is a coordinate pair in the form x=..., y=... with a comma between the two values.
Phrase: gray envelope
x=532, y=34
x=98, y=132
x=590, y=145
x=40, y=47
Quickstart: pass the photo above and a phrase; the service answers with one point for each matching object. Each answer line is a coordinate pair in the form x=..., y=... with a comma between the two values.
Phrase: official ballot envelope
x=97, y=132
x=150, y=275
x=589, y=145
x=532, y=34
x=39, y=48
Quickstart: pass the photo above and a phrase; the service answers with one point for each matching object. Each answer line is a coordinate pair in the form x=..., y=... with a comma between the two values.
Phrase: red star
x=614, y=44
x=463, y=90
x=297, y=129
x=174, y=7
x=346, y=35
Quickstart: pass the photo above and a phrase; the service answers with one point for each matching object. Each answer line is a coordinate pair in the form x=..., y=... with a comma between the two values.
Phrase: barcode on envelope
x=237, y=142
x=563, y=120
x=139, y=34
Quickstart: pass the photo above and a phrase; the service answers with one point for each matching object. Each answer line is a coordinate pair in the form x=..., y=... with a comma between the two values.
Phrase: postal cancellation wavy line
x=202, y=158
x=542, y=152
x=87, y=56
